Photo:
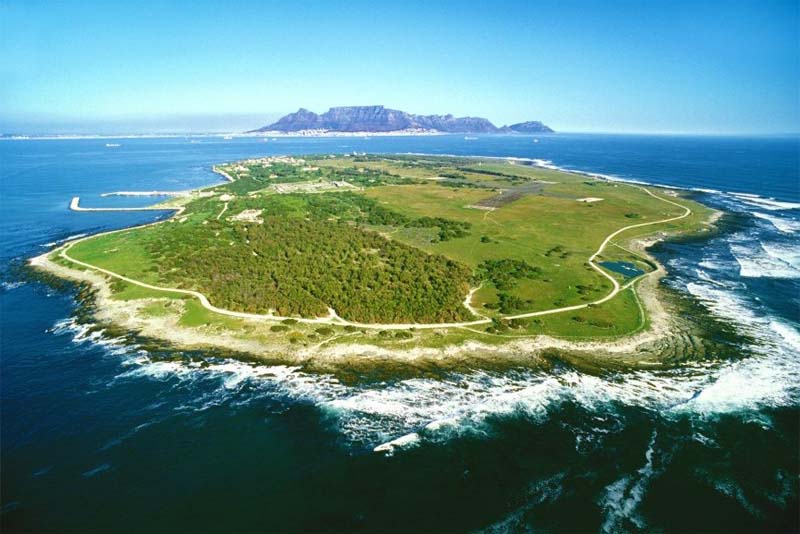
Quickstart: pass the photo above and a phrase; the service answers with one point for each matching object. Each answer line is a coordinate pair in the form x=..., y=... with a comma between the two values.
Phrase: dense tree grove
x=507, y=303
x=357, y=208
x=308, y=255
x=366, y=177
x=462, y=184
x=513, y=178
x=315, y=250
x=504, y=274
x=448, y=229
x=453, y=175
x=510, y=303
x=282, y=173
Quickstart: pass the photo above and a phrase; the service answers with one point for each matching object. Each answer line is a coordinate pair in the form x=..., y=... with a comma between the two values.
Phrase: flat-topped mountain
x=381, y=119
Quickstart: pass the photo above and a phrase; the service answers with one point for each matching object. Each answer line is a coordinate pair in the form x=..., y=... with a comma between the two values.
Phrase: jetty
x=147, y=194
x=74, y=205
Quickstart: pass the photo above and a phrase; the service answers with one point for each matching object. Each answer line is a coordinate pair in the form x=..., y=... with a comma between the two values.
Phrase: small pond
x=624, y=268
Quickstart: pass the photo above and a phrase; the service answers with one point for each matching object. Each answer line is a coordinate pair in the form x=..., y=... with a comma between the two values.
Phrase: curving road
x=334, y=319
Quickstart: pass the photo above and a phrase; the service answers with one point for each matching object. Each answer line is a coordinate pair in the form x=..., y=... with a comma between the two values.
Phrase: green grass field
x=403, y=244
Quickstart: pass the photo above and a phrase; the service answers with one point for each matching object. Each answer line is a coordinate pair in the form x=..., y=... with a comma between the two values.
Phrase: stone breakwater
x=74, y=205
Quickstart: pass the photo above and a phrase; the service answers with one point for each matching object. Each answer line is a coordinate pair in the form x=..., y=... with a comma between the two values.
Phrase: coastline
x=229, y=135
x=125, y=314
x=277, y=134
x=639, y=349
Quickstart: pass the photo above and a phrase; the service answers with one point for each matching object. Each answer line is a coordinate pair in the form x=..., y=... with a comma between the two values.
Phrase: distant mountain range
x=381, y=119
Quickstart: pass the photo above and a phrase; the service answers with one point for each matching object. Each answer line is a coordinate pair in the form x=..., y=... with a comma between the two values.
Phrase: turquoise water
x=98, y=434
x=624, y=268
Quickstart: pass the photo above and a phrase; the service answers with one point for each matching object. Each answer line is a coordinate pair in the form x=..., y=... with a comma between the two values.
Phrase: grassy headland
x=392, y=252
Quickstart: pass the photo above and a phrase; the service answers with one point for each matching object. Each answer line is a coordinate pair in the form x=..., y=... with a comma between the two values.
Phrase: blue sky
x=634, y=66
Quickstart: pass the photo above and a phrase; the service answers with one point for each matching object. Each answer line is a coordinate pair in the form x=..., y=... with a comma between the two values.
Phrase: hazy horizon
x=681, y=67
x=233, y=123
x=132, y=125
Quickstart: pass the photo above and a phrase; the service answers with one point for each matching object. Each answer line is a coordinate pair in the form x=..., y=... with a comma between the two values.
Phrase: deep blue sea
x=99, y=435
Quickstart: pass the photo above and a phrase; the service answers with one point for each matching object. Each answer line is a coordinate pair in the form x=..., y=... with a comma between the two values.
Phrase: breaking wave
x=545, y=164
x=542, y=491
x=761, y=259
x=391, y=417
x=8, y=286
x=769, y=378
x=388, y=417
x=765, y=203
x=64, y=240
x=787, y=226
x=621, y=498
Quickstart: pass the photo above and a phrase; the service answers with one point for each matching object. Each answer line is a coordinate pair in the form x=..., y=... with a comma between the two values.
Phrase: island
x=371, y=120
x=331, y=258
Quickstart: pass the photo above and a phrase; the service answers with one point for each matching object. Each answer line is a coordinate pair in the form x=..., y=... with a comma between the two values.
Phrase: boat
x=228, y=137
x=535, y=140
x=112, y=145
x=468, y=138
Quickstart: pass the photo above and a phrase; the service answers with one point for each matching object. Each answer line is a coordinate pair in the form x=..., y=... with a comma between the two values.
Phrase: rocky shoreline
x=643, y=349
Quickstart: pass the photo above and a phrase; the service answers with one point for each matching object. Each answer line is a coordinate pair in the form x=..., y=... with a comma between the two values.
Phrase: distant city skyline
x=648, y=67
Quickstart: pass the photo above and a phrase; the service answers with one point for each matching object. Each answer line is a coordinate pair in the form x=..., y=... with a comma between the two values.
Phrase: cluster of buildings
x=268, y=161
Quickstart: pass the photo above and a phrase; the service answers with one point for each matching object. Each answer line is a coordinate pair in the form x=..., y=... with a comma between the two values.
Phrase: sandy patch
x=248, y=216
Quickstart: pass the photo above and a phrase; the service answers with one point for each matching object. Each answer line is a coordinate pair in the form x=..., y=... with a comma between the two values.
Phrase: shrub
x=510, y=303
x=505, y=274
x=516, y=323
x=499, y=325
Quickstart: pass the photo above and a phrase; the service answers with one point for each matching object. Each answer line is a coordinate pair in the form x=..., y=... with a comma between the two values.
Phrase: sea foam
x=765, y=203
x=766, y=260
x=392, y=416
x=621, y=498
x=785, y=225
x=388, y=417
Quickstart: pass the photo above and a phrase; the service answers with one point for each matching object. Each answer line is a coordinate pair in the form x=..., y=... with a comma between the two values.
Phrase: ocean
x=98, y=434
